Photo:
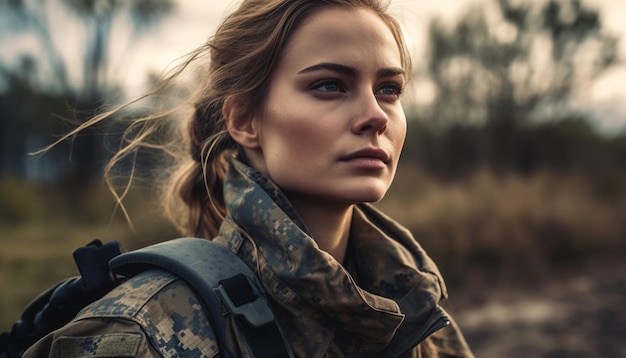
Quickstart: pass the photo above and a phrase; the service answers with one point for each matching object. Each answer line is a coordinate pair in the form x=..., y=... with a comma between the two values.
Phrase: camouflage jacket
x=383, y=301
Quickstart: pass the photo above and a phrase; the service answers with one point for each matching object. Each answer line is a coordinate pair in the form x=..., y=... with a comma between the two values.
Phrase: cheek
x=402, y=135
x=398, y=133
x=309, y=143
x=297, y=135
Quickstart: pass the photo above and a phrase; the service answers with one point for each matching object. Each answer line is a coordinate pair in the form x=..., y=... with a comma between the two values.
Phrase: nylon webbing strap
x=204, y=265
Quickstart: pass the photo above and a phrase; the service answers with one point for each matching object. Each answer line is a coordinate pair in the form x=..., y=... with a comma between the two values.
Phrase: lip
x=368, y=154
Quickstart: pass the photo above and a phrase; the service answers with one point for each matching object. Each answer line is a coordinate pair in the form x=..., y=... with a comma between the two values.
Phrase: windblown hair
x=241, y=57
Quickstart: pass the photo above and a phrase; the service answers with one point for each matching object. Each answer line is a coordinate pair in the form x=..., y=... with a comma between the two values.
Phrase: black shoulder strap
x=222, y=280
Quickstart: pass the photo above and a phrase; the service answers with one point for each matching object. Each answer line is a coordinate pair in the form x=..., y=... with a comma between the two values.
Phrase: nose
x=370, y=116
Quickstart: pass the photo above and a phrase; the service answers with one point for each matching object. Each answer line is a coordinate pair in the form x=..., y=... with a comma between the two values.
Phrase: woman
x=298, y=125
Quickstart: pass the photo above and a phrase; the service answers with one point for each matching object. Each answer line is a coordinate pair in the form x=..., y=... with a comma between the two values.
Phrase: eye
x=328, y=86
x=392, y=90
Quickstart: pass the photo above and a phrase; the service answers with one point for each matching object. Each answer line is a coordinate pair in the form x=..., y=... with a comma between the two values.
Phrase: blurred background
x=513, y=176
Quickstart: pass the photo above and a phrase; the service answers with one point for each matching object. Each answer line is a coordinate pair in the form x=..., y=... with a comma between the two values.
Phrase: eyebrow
x=351, y=71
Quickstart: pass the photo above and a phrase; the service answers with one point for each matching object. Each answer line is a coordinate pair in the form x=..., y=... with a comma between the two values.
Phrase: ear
x=241, y=126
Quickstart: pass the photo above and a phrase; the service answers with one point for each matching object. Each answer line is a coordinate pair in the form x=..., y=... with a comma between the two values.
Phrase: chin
x=370, y=195
x=372, y=199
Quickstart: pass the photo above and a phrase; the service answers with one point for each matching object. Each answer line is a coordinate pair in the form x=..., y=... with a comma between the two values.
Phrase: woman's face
x=332, y=127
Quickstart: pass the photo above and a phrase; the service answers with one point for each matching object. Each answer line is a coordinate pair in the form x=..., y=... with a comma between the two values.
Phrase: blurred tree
x=507, y=64
x=98, y=16
x=515, y=60
x=40, y=86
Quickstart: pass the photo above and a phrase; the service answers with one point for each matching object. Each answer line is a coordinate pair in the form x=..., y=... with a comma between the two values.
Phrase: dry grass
x=35, y=257
x=491, y=228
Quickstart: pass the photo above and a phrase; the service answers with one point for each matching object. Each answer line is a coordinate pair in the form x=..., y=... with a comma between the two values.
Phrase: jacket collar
x=392, y=290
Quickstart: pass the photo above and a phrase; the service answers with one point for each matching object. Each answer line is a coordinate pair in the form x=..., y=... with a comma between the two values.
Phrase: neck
x=329, y=224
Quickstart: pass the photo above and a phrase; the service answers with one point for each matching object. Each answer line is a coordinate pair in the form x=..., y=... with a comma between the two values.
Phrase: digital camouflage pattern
x=382, y=302
x=155, y=311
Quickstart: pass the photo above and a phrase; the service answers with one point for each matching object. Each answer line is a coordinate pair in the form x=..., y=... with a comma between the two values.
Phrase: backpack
x=222, y=280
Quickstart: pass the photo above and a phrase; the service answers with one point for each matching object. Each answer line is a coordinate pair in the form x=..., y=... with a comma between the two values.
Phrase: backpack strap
x=223, y=281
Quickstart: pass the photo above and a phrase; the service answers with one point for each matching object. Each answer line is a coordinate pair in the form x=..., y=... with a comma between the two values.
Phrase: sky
x=193, y=21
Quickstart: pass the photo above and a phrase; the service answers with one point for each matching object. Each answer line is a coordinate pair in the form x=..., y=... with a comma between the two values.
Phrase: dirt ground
x=579, y=316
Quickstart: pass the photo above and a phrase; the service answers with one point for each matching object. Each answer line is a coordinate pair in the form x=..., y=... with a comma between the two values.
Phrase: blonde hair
x=242, y=55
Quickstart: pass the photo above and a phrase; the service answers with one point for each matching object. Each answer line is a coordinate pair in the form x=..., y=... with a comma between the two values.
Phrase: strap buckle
x=245, y=299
